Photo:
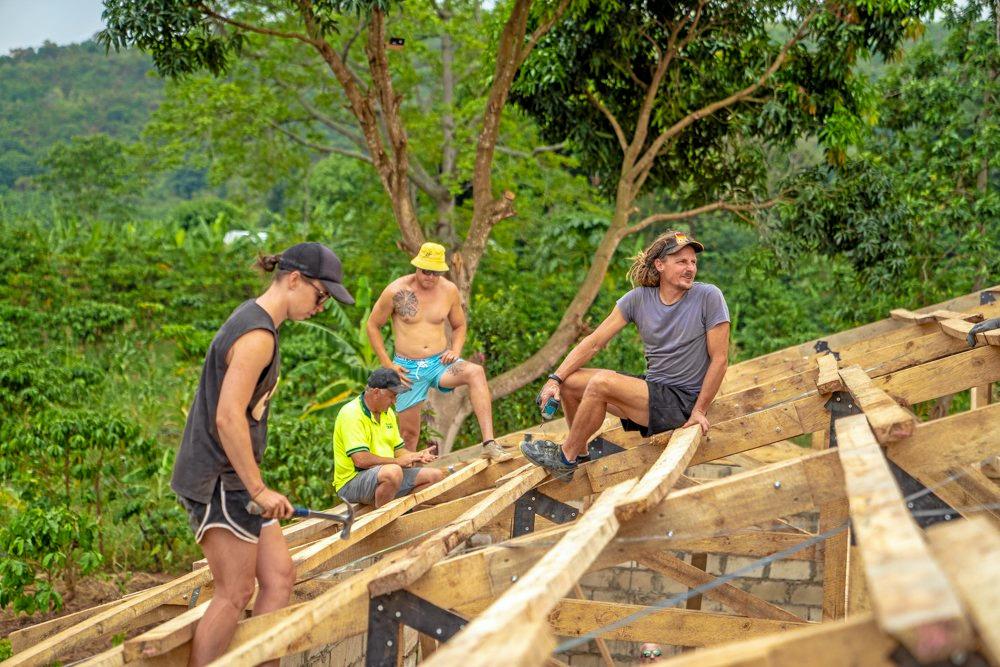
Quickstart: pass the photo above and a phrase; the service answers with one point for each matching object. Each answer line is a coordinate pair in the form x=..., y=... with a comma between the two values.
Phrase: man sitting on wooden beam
x=371, y=463
x=684, y=327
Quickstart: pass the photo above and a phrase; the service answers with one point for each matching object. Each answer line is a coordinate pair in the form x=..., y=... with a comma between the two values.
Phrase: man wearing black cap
x=371, y=463
x=217, y=470
x=684, y=326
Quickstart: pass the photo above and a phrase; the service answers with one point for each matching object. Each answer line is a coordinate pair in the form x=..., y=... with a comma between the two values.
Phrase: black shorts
x=227, y=509
x=669, y=407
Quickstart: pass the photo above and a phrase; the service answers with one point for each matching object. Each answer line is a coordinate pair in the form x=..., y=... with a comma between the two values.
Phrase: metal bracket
x=194, y=597
x=387, y=612
x=822, y=346
x=535, y=502
x=841, y=404
x=909, y=485
x=599, y=448
x=986, y=297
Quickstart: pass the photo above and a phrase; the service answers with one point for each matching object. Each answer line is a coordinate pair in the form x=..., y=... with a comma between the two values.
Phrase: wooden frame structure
x=900, y=591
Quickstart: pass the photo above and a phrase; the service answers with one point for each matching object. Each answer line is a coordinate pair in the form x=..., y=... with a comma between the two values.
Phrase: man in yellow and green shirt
x=371, y=465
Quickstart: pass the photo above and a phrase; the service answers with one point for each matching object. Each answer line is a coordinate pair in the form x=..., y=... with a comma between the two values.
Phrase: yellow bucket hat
x=430, y=258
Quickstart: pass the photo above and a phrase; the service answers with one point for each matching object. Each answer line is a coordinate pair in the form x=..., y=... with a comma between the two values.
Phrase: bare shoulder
x=449, y=288
x=254, y=348
x=401, y=283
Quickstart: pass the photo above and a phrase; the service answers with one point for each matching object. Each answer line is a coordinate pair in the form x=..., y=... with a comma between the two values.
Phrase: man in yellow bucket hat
x=419, y=303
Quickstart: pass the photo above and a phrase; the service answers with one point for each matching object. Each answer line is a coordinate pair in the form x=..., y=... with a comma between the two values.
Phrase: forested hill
x=53, y=93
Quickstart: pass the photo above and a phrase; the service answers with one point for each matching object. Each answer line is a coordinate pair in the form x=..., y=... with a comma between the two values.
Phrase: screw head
x=398, y=615
x=437, y=631
x=777, y=484
x=381, y=608
x=670, y=533
x=451, y=468
x=389, y=643
x=947, y=517
x=909, y=505
x=530, y=508
x=513, y=578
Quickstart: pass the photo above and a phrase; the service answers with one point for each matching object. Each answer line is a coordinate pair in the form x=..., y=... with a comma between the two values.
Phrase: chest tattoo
x=405, y=303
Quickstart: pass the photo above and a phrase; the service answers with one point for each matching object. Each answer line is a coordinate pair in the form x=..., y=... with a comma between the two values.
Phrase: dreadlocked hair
x=643, y=273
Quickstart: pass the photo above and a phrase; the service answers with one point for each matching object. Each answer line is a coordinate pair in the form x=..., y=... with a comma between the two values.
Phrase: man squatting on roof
x=370, y=463
x=684, y=326
x=419, y=304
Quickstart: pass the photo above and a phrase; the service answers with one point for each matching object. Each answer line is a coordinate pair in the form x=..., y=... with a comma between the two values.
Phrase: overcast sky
x=31, y=22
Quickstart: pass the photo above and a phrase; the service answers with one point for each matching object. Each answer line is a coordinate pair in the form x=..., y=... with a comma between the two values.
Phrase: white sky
x=30, y=22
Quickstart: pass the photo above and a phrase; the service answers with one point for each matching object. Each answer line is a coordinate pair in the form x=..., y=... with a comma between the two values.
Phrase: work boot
x=495, y=452
x=548, y=455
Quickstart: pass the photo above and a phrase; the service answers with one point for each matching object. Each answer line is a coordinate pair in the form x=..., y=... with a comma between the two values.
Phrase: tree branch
x=732, y=207
x=538, y=150
x=255, y=28
x=650, y=155
x=320, y=148
x=540, y=32
x=615, y=125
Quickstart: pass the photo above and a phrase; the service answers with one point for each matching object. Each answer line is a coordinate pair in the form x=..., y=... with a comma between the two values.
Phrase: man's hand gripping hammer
x=347, y=518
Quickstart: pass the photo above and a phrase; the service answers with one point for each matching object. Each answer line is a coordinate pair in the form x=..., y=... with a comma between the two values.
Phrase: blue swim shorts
x=424, y=374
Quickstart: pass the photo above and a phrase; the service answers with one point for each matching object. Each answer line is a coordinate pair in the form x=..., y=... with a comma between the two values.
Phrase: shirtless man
x=419, y=303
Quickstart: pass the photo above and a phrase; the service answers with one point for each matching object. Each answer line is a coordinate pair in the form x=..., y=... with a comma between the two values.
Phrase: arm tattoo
x=455, y=368
x=404, y=302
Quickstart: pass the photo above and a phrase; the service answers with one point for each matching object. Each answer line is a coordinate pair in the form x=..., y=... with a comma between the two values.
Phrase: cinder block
x=799, y=610
x=792, y=569
x=807, y=594
x=607, y=595
x=816, y=614
x=734, y=563
x=599, y=579
x=772, y=591
x=716, y=564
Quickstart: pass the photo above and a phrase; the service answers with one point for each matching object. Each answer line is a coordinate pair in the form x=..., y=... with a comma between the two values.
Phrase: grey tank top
x=201, y=460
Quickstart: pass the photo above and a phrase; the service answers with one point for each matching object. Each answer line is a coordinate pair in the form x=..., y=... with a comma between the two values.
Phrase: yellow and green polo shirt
x=356, y=430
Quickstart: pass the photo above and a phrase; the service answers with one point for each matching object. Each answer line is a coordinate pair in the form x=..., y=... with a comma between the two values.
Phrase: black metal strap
x=387, y=612
x=986, y=297
x=822, y=346
x=537, y=503
x=599, y=448
x=841, y=404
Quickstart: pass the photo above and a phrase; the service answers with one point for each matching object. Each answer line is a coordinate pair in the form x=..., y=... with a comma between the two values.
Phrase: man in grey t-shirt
x=684, y=326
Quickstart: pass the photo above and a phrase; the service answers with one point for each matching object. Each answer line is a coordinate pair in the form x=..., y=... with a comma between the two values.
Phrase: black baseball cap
x=315, y=260
x=386, y=378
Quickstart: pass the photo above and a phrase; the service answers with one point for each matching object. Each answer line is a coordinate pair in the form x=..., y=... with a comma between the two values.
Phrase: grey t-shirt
x=201, y=460
x=674, y=336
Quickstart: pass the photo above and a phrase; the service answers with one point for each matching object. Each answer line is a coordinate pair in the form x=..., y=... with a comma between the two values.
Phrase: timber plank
x=856, y=641
x=422, y=556
x=912, y=598
x=957, y=328
x=524, y=608
x=904, y=315
x=969, y=552
x=889, y=420
x=656, y=483
x=677, y=627
x=828, y=378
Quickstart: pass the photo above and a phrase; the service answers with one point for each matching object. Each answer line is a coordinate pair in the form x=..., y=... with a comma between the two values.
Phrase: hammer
x=347, y=518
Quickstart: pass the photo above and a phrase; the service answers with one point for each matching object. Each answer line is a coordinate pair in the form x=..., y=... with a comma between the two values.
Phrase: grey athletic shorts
x=227, y=509
x=361, y=487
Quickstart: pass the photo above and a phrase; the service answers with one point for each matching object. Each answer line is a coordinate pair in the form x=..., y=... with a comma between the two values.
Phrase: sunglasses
x=321, y=294
x=431, y=273
x=655, y=653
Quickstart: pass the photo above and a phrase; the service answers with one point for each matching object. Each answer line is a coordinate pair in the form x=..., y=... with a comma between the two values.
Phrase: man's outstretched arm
x=717, y=340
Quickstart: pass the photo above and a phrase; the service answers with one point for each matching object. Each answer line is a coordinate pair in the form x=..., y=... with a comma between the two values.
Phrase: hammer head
x=348, y=521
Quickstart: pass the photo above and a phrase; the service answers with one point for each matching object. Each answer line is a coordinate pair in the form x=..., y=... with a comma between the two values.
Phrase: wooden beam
x=889, y=420
x=981, y=491
x=677, y=627
x=828, y=378
x=852, y=642
x=835, y=559
x=969, y=552
x=734, y=598
x=904, y=315
x=944, y=315
x=910, y=594
x=960, y=329
x=656, y=483
x=602, y=646
x=857, y=589
x=524, y=608
x=422, y=556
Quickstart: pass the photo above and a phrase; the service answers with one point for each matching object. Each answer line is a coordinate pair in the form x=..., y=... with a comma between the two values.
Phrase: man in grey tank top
x=684, y=326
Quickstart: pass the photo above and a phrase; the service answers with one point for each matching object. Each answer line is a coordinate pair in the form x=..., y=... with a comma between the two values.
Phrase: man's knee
x=237, y=593
x=602, y=384
x=391, y=474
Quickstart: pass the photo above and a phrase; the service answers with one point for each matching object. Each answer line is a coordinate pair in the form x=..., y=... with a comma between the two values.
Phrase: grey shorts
x=361, y=488
x=669, y=408
x=227, y=509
